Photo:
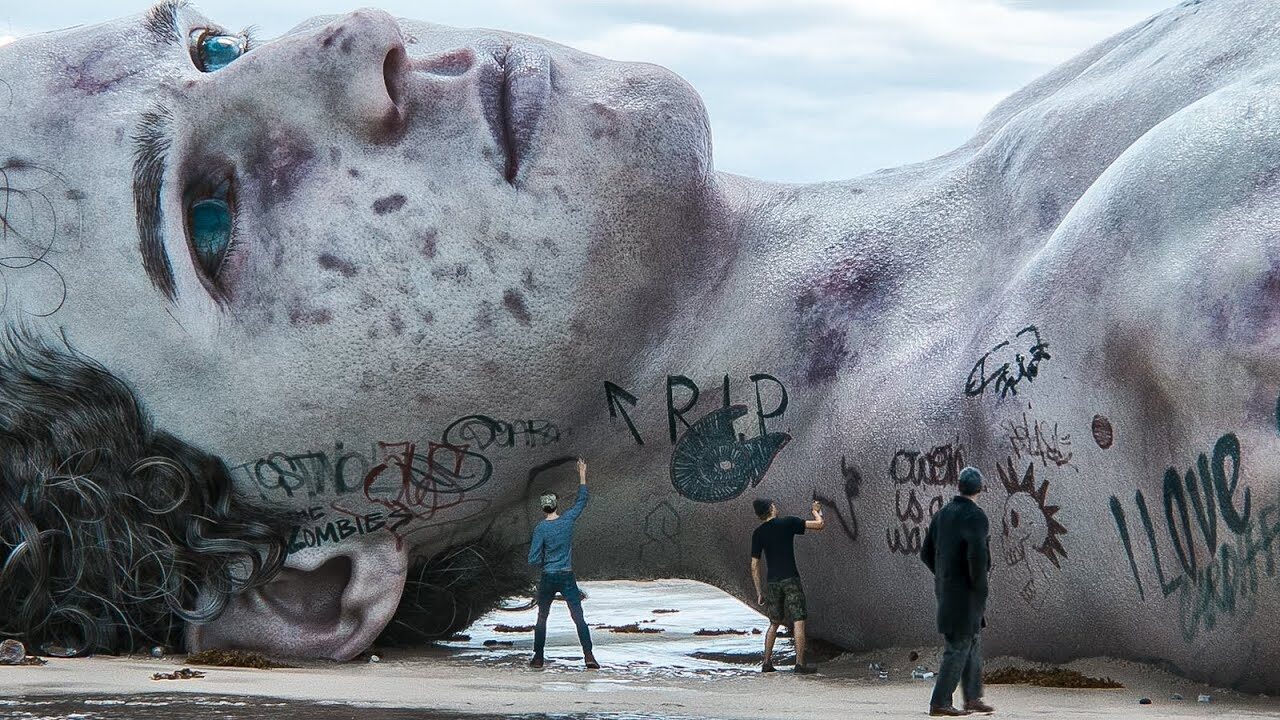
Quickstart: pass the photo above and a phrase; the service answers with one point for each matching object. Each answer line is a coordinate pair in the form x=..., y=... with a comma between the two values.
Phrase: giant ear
x=327, y=602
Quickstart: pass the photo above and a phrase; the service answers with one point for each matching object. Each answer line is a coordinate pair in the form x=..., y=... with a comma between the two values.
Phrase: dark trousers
x=565, y=584
x=961, y=664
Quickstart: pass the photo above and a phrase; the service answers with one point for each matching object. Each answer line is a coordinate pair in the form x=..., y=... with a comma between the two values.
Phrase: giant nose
x=364, y=65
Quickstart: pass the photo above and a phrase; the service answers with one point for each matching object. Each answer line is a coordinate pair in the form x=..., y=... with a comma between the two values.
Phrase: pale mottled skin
x=1125, y=204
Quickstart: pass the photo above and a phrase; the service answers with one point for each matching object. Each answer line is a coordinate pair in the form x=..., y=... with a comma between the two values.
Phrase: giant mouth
x=515, y=89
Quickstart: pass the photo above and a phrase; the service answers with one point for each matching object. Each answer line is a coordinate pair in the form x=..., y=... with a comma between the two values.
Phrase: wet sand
x=644, y=676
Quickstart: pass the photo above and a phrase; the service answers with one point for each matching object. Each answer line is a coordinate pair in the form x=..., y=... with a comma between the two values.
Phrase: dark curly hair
x=110, y=530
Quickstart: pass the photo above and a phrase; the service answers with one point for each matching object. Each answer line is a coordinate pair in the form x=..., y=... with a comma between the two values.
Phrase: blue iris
x=211, y=230
x=219, y=51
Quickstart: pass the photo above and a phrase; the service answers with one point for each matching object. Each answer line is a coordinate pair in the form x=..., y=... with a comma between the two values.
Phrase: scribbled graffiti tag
x=1007, y=365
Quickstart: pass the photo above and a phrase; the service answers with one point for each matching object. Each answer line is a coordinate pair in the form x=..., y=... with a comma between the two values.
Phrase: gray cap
x=549, y=499
x=970, y=481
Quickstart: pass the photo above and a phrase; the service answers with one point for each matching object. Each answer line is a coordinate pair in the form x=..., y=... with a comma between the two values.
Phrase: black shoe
x=805, y=669
x=536, y=663
x=591, y=663
x=948, y=711
x=767, y=667
x=978, y=706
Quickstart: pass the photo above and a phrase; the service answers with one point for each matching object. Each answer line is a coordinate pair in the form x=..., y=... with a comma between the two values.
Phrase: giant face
x=351, y=295
x=355, y=233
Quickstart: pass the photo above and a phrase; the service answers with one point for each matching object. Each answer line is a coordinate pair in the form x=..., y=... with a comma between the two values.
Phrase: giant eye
x=212, y=50
x=211, y=225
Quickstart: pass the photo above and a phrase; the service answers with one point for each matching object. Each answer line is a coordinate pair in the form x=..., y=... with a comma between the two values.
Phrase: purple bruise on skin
x=389, y=204
x=514, y=302
x=329, y=261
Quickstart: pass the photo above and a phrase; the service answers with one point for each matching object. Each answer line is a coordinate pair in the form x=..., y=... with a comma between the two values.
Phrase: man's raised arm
x=573, y=512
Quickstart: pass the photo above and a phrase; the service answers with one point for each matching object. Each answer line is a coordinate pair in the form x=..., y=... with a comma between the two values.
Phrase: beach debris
x=884, y=675
x=512, y=628
x=755, y=631
x=1176, y=696
x=631, y=628
x=922, y=673
x=739, y=658
x=12, y=652
x=498, y=643
x=232, y=658
x=1144, y=701
x=458, y=637
x=664, y=611
x=712, y=633
x=183, y=674
x=375, y=659
x=1047, y=677
x=1205, y=698
x=157, y=652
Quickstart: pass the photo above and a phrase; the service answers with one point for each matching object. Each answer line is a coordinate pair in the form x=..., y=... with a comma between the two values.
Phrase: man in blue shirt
x=552, y=548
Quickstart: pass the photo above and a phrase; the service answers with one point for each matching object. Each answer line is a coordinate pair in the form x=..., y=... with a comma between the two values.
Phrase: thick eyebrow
x=152, y=141
x=161, y=21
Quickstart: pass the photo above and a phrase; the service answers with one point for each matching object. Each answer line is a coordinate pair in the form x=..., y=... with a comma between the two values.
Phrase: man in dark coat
x=957, y=551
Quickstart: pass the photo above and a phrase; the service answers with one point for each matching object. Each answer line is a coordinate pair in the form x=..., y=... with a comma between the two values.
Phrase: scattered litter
x=664, y=612
x=513, y=628
x=1144, y=701
x=12, y=652
x=922, y=673
x=1205, y=698
x=1176, y=696
x=1047, y=677
x=458, y=637
x=875, y=667
x=157, y=652
x=183, y=674
x=755, y=631
x=742, y=658
x=711, y=633
x=632, y=628
x=498, y=643
x=375, y=659
x=232, y=658
x=884, y=675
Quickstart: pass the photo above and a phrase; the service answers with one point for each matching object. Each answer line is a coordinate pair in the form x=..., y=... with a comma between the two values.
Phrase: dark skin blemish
x=388, y=204
x=428, y=317
x=514, y=302
x=347, y=44
x=303, y=317
x=353, y=172
x=428, y=248
x=329, y=261
x=279, y=163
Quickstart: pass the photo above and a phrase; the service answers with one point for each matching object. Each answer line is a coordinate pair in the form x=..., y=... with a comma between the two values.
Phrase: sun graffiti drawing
x=1030, y=529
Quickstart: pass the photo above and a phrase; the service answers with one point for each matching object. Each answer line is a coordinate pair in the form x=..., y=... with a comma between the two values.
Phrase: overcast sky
x=798, y=90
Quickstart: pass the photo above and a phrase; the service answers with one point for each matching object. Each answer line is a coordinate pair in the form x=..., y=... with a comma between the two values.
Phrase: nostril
x=394, y=68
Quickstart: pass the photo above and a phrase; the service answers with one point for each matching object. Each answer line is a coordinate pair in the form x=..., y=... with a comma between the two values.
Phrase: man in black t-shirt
x=783, y=597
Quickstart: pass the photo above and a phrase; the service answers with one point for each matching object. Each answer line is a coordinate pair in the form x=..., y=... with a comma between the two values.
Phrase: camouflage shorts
x=784, y=601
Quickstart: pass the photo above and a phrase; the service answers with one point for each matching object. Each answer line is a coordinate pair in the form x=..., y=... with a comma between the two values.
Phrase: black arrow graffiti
x=615, y=396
